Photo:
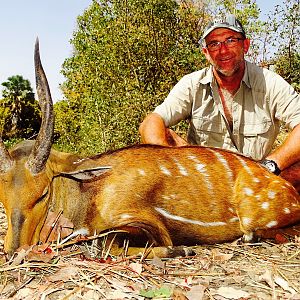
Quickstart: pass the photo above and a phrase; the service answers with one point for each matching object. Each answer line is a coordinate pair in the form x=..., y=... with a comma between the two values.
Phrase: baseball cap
x=230, y=22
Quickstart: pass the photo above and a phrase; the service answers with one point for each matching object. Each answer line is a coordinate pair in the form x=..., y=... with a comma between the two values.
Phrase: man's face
x=227, y=60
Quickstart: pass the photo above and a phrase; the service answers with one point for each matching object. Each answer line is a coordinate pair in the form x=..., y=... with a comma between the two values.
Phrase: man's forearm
x=289, y=152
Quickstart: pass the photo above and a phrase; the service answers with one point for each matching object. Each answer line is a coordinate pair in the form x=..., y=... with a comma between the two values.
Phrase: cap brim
x=207, y=32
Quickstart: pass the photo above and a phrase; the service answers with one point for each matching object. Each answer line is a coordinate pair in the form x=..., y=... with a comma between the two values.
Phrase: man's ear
x=246, y=45
x=86, y=174
x=206, y=53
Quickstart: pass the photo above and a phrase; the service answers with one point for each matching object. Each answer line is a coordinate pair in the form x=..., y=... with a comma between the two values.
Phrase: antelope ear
x=86, y=174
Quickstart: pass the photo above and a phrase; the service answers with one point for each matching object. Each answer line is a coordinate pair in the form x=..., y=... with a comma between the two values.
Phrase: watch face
x=271, y=166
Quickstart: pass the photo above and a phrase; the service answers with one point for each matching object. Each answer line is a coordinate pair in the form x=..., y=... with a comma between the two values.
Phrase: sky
x=54, y=22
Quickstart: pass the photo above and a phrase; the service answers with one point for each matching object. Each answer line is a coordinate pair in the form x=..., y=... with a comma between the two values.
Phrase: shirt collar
x=246, y=78
x=208, y=78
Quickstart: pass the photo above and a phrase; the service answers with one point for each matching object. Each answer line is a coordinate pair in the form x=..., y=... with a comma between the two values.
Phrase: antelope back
x=190, y=195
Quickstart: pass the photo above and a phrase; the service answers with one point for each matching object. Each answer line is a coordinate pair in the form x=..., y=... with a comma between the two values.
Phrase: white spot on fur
x=231, y=209
x=182, y=169
x=271, y=224
x=287, y=210
x=110, y=189
x=255, y=179
x=192, y=157
x=200, y=168
x=169, y=197
x=80, y=161
x=246, y=221
x=142, y=172
x=265, y=205
x=244, y=164
x=271, y=194
x=248, y=191
x=125, y=216
x=165, y=170
x=224, y=162
x=185, y=220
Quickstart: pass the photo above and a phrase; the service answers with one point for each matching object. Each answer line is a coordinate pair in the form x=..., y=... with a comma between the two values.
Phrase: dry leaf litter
x=80, y=270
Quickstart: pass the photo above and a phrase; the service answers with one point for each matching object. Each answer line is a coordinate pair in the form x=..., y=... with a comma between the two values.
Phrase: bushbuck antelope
x=169, y=196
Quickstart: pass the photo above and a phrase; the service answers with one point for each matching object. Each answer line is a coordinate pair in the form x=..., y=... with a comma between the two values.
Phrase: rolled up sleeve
x=177, y=105
x=285, y=102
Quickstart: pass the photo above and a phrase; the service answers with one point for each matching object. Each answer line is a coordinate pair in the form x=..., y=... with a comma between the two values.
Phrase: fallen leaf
x=268, y=278
x=116, y=295
x=136, y=267
x=156, y=261
x=231, y=293
x=284, y=284
x=119, y=285
x=196, y=292
x=91, y=295
x=25, y=293
x=219, y=256
x=40, y=256
x=22, y=252
x=64, y=274
x=163, y=292
x=178, y=294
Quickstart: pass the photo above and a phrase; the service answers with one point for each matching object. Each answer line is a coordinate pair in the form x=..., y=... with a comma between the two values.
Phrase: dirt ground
x=229, y=271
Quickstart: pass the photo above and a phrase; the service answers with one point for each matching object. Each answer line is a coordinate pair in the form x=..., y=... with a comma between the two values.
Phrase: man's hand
x=154, y=131
x=174, y=139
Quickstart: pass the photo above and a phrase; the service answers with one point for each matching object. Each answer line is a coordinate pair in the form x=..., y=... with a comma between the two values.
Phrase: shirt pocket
x=206, y=131
x=257, y=139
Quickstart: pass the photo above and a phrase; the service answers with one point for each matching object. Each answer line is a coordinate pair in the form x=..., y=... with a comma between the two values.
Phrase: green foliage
x=287, y=65
x=19, y=112
x=161, y=292
x=286, y=27
x=127, y=56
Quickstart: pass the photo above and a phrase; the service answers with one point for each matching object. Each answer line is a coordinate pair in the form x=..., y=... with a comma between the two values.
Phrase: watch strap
x=267, y=162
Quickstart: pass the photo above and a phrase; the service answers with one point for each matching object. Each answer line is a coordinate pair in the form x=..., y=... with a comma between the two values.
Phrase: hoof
x=250, y=238
x=183, y=251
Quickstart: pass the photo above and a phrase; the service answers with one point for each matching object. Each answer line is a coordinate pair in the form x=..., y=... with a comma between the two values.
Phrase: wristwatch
x=271, y=166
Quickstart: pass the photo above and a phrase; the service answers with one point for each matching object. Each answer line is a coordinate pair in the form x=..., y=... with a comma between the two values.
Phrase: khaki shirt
x=262, y=101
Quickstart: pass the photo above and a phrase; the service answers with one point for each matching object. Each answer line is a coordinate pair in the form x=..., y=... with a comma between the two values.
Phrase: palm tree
x=20, y=110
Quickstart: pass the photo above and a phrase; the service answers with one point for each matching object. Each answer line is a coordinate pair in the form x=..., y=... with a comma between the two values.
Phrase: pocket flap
x=255, y=129
x=206, y=124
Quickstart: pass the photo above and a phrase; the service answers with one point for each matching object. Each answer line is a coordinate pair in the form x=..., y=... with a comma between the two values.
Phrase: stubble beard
x=228, y=73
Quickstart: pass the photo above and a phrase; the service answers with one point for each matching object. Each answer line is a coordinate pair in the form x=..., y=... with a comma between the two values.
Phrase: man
x=233, y=104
